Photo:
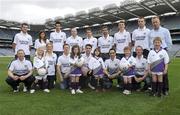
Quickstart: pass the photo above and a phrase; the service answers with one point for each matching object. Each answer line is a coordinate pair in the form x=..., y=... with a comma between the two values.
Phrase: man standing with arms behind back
x=23, y=41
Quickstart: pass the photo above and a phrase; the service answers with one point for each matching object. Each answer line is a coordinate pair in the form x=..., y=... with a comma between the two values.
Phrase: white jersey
x=76, y=59
x=40, y=62
x=41, y=44
x=51, y=59
x=164, y=34
x=112, y=65
x=64, y=62
x=95, y=63
x=23, y=41
x=121, y=39
x=141, y=66
x=105, y=44
x=140, y=38
x=92, y=41
x=58, y=39
x=130, y=61
x=20, y=67
x=75, y=41
x=157, y=60
x=86, y=59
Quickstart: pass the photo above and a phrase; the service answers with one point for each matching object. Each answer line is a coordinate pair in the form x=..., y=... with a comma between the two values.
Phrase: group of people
x=93, y=62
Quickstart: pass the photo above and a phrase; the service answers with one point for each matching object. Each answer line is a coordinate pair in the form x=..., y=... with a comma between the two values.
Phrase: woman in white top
x=97, y=67
x=42, y=41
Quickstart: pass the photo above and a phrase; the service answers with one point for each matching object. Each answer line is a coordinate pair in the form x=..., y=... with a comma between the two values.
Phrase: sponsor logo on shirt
x=121, y=40
x=23, y=42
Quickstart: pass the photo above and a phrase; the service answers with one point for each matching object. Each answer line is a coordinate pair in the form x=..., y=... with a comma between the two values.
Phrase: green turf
x=59, y=102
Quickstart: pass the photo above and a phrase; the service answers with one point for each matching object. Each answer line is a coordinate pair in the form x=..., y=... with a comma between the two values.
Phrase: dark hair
x=24, y=24
x=58, y=23
x=40, y=36
x=112, y=49
x=88, y=45
x=88, y=29
x=103, y=27
x=97, y=49
x=66, y=45
x=139, y=47
x=72, y=52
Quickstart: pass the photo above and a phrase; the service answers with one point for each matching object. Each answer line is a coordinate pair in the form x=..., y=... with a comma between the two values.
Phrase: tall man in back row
x=23, y=41
x=140, y=37
x=164, y=34
x=58, y=38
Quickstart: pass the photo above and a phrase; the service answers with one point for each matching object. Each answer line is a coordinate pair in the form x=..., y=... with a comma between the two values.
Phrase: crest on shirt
x=143, y=64
x=109, y=41
x=130, y=62
x=125, y=36
x=116, y=64
x=161, y=56
x=25, y=66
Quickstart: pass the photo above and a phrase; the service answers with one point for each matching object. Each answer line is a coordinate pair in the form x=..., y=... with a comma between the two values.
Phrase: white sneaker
x=73, y=91
x=32, y=91
x=128, y=92
x=91, y=86
x=25, y=89
x=15, y=91
x=46, y=90
x=79, y=91
x=118, y=86
x=125, y=92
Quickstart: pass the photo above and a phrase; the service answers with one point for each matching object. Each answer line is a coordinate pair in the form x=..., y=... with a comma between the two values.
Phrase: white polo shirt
x=23, y=41
x=131, y=61
x=39, y=44
x=40, y=62
x=92, y=41
x=86, y=59
x=64, y=62
x=51, y=59
x=75, y=41
x=140, y=38
x=95, y=63
x=165, y=36
x=141, y=66
x=155, y=56
x=112, y=65
x=58, y=39
x=121, y=39
x=20, y=67
x=105, y=44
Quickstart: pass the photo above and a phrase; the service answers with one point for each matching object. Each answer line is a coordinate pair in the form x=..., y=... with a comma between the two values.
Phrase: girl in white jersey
x=40, y=64
x=76, y=62
x=51, y=59
x=97, y=67
x=129, y=72
x=158, y=60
